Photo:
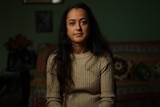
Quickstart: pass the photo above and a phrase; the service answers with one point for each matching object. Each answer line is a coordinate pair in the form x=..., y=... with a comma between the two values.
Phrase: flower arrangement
x=20, y=56
x=19, y=42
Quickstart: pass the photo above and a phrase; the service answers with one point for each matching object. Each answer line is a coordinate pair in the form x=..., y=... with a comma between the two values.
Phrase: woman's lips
x=78, y=34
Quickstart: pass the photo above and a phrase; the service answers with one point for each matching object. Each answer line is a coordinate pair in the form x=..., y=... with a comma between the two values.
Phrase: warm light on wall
x=56, y=1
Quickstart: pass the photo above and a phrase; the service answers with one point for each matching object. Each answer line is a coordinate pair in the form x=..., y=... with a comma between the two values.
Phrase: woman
x=80, y=71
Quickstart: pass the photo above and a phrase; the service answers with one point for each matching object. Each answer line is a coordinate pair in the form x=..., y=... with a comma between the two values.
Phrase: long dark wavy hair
x=96, y=44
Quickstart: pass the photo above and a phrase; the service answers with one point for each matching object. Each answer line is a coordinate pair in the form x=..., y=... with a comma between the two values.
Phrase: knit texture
x=93, y=83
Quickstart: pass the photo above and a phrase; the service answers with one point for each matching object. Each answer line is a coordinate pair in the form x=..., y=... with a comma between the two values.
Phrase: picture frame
x=44, y=21
x=43, y=1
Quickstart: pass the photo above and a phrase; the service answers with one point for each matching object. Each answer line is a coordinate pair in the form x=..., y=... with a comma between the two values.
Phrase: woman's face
x=77, y=25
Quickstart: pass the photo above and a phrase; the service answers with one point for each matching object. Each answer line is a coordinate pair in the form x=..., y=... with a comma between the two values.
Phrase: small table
x=9, y=82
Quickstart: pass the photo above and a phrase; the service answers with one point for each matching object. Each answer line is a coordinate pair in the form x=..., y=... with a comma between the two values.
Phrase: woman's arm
x=107, y=85
x=53, y=98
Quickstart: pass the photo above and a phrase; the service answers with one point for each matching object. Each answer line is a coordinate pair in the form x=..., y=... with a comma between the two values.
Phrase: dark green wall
x=120, y=20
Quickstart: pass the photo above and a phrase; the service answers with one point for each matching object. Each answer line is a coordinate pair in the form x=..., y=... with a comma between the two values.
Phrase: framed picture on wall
x=43, y=21
x=43, y=1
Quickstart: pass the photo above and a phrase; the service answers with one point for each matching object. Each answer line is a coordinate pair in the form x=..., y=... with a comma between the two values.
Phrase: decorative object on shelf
x=20, y=56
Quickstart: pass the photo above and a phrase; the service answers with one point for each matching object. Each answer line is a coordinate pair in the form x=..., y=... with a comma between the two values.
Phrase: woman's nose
x=78, y=27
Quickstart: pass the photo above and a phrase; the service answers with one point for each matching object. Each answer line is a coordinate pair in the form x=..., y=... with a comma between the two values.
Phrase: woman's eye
x=84, y=22
x=71, y=23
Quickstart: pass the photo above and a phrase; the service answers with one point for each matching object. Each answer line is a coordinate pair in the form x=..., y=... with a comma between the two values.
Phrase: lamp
x=56, y=1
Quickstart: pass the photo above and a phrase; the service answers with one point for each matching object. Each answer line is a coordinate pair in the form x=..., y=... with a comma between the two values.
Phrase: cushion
x=146, y=52
x=142, y=72
x=122, y=67
x=156, y=70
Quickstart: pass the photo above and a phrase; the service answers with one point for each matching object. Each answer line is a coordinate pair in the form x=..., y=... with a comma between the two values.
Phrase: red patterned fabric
x=131, y=92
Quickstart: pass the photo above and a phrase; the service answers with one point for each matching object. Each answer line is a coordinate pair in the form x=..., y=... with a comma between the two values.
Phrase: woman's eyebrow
x=70, y=20
x=83, y=18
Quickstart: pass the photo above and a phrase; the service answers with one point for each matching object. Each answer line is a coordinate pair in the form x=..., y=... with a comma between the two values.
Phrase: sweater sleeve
x=107, y=85
x=53, y=98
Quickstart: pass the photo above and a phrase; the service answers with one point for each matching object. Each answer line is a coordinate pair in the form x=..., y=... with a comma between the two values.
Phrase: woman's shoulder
x=51, y=56
x=106, y=58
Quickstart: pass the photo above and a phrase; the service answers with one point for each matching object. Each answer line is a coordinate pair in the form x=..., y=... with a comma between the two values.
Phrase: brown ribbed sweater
x=93, y=83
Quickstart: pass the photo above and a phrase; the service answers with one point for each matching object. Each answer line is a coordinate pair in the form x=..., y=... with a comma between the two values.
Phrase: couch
x=137, y=74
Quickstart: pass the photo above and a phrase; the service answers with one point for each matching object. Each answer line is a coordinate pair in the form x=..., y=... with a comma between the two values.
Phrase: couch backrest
x=129, y=58
x=139, y=60
x=43, y=52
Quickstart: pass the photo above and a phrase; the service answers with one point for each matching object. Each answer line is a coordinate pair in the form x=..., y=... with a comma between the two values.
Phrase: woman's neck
x=79, y=49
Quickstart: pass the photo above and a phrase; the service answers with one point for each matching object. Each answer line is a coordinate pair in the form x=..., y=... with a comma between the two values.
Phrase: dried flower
x=20, y=42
